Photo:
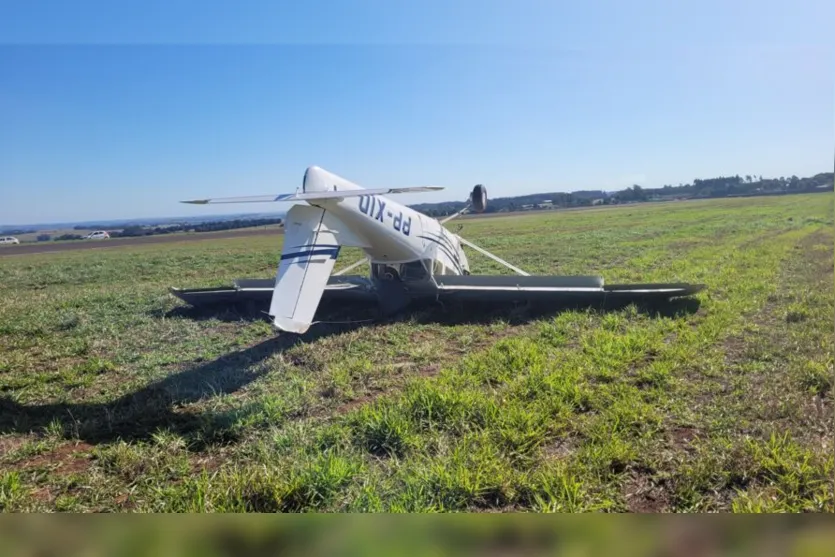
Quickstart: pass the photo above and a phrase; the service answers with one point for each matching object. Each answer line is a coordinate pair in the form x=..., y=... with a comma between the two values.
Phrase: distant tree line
x=137, y=230
x=16, y=231
x=723, y=186
x=212, y=226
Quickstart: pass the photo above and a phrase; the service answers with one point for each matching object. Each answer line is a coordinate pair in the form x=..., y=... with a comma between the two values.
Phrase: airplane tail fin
x=307, y=259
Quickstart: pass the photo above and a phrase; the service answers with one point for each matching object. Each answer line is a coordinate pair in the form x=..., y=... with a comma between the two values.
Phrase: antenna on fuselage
x=352, y=266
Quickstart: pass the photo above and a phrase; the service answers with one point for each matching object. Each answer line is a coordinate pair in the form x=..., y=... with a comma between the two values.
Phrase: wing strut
x=516, y=270
x=351, y=266
x=453, y=215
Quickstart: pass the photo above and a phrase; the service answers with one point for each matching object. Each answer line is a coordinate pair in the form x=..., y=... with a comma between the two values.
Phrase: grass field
x=30, y=240
x=112, y=399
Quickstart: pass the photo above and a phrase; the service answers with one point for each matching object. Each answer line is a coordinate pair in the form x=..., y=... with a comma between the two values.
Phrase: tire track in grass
x=703, y=464
x=774, y=398
x=611, y=418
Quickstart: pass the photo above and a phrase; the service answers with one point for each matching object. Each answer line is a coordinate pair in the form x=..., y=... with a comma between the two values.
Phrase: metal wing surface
x=338, y=289
x=554, y=289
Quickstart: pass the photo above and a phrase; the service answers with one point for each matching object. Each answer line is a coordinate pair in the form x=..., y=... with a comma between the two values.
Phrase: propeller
x=478, y=198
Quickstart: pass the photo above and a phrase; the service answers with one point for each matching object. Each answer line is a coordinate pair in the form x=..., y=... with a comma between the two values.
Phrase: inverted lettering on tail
x=307, y=259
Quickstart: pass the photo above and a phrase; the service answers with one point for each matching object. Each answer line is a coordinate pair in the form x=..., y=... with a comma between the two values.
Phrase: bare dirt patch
x=559, y=449
x=642, y=495
x=206, y=463
x=681, y=437
x=42, y=494
x=67, y=459
x=10, y=444
x=124, y=502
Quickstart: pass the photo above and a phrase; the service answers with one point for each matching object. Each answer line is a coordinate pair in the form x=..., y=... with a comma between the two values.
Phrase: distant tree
x=44, y=237
x=132, y=231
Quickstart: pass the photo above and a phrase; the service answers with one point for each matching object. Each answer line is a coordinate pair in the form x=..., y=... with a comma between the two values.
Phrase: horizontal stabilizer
x=307, y=257
x=311, y=196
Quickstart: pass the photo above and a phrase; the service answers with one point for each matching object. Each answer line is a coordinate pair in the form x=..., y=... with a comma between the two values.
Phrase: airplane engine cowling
x=478, y=198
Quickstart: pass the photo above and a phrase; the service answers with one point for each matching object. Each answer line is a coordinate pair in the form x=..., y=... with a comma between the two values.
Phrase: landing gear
x=381, y=271
x=407, y=272
x=389, y=273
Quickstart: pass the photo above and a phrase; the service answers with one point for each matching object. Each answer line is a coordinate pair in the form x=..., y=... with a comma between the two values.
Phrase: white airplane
x=412, y=256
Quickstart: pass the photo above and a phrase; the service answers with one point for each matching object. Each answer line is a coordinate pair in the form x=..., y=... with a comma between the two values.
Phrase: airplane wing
x=301, y=196
x=339, y=289
x=478, y=288
x=546, y=289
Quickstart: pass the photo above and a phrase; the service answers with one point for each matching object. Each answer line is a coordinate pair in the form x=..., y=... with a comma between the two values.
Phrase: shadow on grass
x=476, y=313
x=138, y=415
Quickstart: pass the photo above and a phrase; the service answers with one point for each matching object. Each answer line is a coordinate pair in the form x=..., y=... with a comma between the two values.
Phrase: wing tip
x=196, y=201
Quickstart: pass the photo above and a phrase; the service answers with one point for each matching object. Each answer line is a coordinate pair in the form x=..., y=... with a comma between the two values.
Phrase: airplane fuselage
x=390, y=233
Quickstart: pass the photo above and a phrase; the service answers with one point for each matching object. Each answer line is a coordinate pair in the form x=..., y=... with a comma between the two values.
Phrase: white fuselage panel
x=390, y=232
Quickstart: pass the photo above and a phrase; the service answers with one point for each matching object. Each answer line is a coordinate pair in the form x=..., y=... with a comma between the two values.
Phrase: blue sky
x=108, y=114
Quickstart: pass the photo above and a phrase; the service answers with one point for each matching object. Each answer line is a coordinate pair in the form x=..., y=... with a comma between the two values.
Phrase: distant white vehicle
x=97, y=235
x=9, y=240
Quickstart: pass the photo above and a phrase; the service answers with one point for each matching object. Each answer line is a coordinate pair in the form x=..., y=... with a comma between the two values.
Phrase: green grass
x=111, y=401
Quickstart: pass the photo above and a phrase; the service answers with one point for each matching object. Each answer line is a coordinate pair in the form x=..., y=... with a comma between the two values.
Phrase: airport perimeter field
x=113, y=398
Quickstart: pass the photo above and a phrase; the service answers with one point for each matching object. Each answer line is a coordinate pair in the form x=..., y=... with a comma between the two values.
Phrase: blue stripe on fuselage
x=446, y=250
x=332, y=252
x=453, y=250
x=317, y=246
